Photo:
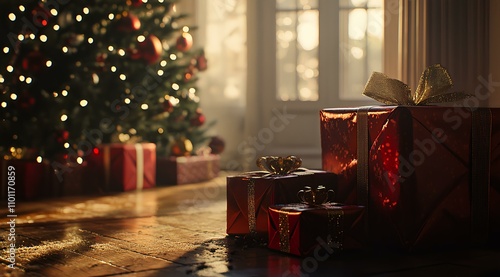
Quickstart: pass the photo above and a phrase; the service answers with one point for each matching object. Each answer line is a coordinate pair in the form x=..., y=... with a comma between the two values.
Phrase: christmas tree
x=78, y=73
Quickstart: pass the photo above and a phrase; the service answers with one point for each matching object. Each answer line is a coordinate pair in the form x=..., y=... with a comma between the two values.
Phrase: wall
x=495, y=50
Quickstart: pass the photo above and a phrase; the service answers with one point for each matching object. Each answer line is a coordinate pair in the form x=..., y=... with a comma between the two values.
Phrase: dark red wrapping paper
x=425, y=184
x=303, y=230
x=68, y=181
x=266, y=191
x=186, y=170
x=123, y=167
x=31, y=179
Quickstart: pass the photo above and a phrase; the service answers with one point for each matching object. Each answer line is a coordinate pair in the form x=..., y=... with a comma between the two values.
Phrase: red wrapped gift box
x=304, y=230
x=123, y=167
x=250, y=195
x=67, y=179
x=186, y=170
x=428, y=176
x=31, y=179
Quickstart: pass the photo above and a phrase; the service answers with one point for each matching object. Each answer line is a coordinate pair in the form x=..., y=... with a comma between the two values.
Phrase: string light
x=79, y=18
x=4, y=104
x=126, y=100
x=173, y=57
x=111, y=16
x=66, y=145
x=22, y=78
x=90, y=40
x=121, y=52
x=84, y=103
x=160, y=72
x=64, y=117
x=10, y=68
x=113, y=68
x=64, y=92
x=28, y=80
x=53, y=12
x=163, y=63
x=123, y=77
x=79, y=160
x=144, y=106
x=65, y=49
x=32, y=36
x=6, y=49
x=55, y=94
x=175, y=86
x=192, y=90
x=48, y=63
x=185, y=29
x=43, y=38
x=20, y=37
x=160, y=131
x=110, y=48
x=141, y=38
x=21, y=8
x=39, y=159
x=86, y=10
x=56, y=27
x=13, y=96
x=12, y=17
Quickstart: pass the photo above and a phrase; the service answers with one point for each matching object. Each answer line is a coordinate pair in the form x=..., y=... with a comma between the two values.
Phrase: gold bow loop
x=279, y=165
x=432, y=87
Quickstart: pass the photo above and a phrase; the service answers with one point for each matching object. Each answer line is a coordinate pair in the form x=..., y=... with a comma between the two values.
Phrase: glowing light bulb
x=39, y=159
x=123, y=77
x=4, y=104
x=173, y=57
x=141, y=38
x=66, y=145
x=90, y=40
x=144, y=106
x=86, y=10
x=53, y=12
x=20, y=37
x=21, y=8
x=64, y=92
x=111, y=16
x=29, y=80
x=175, y=86
x=84, y=103
x=56, y=27
x=79, y=18
x=163, y=63
x=6, y=49
x=43, y=38
x=13, y=96
x=160, y=72
x=48, y=63
x=10, y=68
x=79, y=160
x=185, y=29
x=110, y=48
x=12, y=17
x=64, y=117
x=113, y=68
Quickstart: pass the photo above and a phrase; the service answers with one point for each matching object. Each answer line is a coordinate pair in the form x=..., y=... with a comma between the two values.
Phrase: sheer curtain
x=454, y=33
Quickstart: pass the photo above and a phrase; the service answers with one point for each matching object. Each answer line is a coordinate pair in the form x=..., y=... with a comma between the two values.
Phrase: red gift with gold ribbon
x=323, y=230
x=428, y=175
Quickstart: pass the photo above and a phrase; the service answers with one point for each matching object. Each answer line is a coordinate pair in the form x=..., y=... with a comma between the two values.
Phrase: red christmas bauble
x=201, y=62
x=181, y=147
x=184, y=42
x=150, y=49
x=128, y=23
x=198, y=119
x=41, y=16
x=217, y=145
x=34, y=61
x=167, y=106
x=135, y=3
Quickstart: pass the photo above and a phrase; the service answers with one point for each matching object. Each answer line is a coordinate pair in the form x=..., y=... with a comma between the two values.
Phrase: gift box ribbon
x=139, y=165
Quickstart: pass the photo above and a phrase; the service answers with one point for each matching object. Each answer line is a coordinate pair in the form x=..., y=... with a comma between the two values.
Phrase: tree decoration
x=150, y=49
x=129, y=22
x=184, y=42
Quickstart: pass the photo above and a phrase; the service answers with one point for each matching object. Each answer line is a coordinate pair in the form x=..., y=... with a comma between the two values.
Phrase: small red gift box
x=428, y=176
x=28, y=179
x=305, y=230
x=67, y=179
x=186, y=170
x=250, y=195
x=123, y=167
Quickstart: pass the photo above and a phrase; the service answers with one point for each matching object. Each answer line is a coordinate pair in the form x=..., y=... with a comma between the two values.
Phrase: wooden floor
x=180, y=231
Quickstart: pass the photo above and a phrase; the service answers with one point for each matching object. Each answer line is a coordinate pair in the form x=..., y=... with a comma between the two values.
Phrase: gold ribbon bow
x=279, y=165
x=432, y=87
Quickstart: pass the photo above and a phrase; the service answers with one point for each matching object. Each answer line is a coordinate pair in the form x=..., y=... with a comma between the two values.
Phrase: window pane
x=297, y=39
x=361, y=31
x=296, y=4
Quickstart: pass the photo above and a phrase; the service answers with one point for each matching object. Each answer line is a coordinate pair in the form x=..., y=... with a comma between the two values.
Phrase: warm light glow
x=20, y=37
x=90, y=40
x=160, y=130
x=160, y=72
x=111, y=16
x=174, y=101
x=6, y=49
x=1, y=79
x=173, y=57
x=66, y=145
x=64, y=92
x=65, y=49
x=32, y=36
x=141, y=38
x=39, y=159
x=185, y=29
x=78, y=18
x=357, y=24
x=53, y=12
x=56, y=27
x=121, y=52
x=55, y=94
x=43, y=38
x=21, y=8
x=12, y=17
x=111, y=48
x=79, y=160
x=4, y=104
x=192, y=90
x=28, y=80
x=144, y=106
x=22, y=78
x=113, y=68
x=13, y=96
x=86, y=10
x=132, y=131
x=48, y=63
x=175, y=86
x=163, y=63
x=10, y=68
x=357, y=52
x=126, y=100
x=123, y=77
x=64, y=117
x=83, y=103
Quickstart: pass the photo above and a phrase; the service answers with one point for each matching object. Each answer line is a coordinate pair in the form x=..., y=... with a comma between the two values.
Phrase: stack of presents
x=114, y=167
x=407, y=176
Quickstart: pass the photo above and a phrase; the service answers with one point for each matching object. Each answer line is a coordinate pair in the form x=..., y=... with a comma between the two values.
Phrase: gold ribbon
x=433, y=87
x=284, y=232
x=279, y=165
x=252, y=225
x=139, y=162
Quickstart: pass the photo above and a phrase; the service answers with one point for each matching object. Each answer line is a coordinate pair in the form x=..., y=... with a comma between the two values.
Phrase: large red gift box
x=428, y=176
x=186, y=170
x=123, y=167
x=250, y=195
x=306, y=230
x=31, y=181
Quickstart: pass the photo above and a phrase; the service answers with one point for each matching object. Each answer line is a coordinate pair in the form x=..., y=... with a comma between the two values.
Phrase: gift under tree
x=75, y=75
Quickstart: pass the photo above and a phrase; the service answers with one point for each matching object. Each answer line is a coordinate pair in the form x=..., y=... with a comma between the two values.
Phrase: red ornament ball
x=135, y=3
x=128, y=23
x=201, y=62
x=198, y=119
x=184, y=42
x=150, y=49
x=217, y=145
x=41, y=16
x=34, y=61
